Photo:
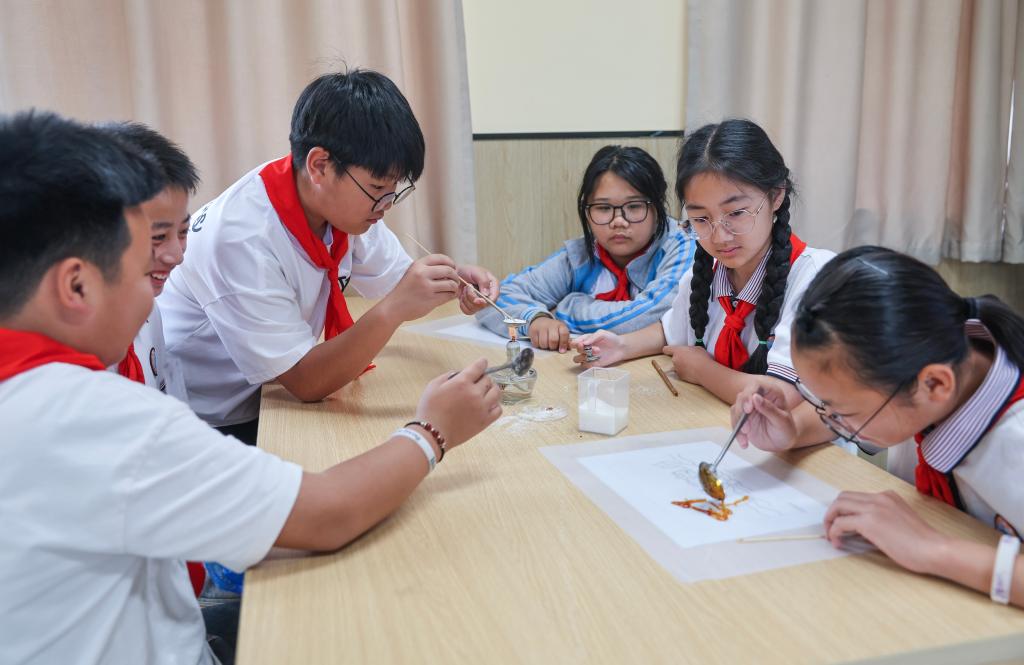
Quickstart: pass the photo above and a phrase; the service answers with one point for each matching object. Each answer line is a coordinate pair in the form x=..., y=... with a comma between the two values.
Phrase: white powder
x=542, y=414
x=601, y=417
x=527, y=415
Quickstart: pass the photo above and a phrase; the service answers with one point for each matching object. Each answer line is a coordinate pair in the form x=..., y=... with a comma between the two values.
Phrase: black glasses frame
x=387, y=200
x=621, y=209
x=836, y=423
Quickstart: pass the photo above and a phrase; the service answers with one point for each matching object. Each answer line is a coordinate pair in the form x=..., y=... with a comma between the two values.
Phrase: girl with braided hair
x=729, y=323
x=890, y=357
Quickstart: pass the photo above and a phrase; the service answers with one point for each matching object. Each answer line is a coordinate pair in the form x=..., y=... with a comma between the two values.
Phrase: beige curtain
x=1013, y=240
x=220, y=78
x=893, y=114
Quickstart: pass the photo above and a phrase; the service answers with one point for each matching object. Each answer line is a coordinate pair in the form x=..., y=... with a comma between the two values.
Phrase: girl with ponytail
x=730, y=320
x=890, y=357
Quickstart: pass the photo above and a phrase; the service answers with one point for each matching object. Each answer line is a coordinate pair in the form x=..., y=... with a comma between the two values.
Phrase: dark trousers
x=244, y=432
x=221, y=622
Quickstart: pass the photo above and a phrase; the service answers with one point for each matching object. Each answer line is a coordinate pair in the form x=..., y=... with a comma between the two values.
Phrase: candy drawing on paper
x=719, y=510
x=654, y=481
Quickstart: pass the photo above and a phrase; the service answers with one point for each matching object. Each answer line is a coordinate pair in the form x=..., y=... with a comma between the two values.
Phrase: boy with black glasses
x=269, y=258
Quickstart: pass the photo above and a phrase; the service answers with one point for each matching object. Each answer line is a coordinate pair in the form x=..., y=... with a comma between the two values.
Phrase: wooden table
x=498, y=558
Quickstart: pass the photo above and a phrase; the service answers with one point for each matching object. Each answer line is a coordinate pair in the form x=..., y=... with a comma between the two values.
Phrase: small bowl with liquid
x=515, y=388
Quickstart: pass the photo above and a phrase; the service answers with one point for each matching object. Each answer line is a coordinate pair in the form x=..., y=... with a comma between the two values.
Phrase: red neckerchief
x=621, y=290
x=130, y=367
x=933, y=482
x=730, y=349
x=21, y=351
x=278, y=178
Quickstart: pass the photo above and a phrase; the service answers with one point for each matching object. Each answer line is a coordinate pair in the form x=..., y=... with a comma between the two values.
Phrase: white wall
x=575, y=65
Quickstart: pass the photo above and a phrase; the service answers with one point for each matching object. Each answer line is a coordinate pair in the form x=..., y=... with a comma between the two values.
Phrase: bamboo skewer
x=475, y=290
x=664, y=377
x=779, y=539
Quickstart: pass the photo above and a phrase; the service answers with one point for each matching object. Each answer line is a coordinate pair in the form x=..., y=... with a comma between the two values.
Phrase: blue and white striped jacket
x=566, y=282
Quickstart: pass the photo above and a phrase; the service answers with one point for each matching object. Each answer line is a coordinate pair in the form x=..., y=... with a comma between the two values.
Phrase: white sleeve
x=378, y=261
x=263, y=332
x=780, y=358
x=195, y=494
x=676, y=321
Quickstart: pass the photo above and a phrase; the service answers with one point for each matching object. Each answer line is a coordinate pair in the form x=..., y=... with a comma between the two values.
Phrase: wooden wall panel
x=526, y=194
x=526, y=207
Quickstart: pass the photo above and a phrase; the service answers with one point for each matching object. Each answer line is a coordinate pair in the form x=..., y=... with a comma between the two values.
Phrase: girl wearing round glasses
x=621, y=275
x=730, y=319
x=889, y=356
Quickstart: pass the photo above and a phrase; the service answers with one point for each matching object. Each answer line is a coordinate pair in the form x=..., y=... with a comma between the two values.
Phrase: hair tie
x=699, y=342
x=972, y=308
x=762, y=342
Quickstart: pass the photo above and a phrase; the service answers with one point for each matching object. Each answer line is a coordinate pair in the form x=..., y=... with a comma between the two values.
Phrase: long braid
x=700, y=293
x=773, y=289
x=740, y=151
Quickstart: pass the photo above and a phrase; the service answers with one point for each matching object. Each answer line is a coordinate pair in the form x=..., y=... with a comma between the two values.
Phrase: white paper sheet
x=650, y=479
x=634, y=479
x=464, y=329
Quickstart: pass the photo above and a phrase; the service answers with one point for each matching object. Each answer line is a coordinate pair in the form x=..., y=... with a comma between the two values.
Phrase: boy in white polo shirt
x=270, y=257
x=147, y=361
x=109, y=486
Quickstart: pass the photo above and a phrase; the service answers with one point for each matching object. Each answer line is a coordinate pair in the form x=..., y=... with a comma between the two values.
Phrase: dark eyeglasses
x=838, y=425
x=386, y=201
x=602, y=214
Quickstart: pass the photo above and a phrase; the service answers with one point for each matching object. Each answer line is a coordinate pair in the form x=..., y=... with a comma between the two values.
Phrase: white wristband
x=1002, y=572
x=422, y=442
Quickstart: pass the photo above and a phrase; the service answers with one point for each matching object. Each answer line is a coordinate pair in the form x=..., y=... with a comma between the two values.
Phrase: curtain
x=893, y=115
x=220, y=77
x=1013, y=240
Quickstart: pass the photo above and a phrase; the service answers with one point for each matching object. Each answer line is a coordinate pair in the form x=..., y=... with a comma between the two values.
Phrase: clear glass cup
x=515, y=388
x=603, y=400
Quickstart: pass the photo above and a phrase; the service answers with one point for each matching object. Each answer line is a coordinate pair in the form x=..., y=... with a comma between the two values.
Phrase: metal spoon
x=708, y=480
x=520, y=365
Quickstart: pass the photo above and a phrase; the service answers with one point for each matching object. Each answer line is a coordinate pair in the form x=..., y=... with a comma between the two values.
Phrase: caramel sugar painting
x=661, y=483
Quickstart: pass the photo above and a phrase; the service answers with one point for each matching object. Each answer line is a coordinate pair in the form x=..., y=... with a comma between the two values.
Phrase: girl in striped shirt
x=621, y=275
x=890, y=357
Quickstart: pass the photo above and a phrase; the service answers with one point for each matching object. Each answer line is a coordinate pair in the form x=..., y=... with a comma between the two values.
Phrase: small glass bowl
x=515, y=388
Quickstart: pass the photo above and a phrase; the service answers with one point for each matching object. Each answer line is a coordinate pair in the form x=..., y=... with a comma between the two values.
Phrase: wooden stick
x=776, y=539
x=475, y=290
x=664, y=377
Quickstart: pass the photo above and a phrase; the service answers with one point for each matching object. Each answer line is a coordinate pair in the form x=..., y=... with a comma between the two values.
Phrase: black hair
x=740, y=150
x=893, y=315
x=362, y=119
x=178, y=170
x=639, y=169
x=63, y=191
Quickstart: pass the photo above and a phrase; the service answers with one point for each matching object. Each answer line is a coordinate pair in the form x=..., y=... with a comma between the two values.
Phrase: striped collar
x=950, y=441
x=751, y=291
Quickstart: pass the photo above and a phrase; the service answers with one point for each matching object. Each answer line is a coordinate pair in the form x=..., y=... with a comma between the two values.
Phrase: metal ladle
x=708, y=479
x=520, y=365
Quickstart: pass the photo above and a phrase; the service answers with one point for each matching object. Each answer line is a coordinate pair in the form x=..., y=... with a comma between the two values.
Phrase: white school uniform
x=986, y=460
x=108, y=488
x=249, y=304
x=160, y=370
x=679, y=332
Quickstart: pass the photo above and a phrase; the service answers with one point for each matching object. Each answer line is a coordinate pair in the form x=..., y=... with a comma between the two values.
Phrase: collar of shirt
x=751, y=291
x=951, y=440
